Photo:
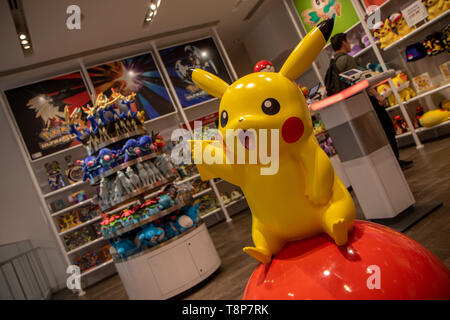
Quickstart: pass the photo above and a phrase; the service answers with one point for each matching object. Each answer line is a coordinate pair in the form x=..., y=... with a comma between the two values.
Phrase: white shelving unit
x=422, y=95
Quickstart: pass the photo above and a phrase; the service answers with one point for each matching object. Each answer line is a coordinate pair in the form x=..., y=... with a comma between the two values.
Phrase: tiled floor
x=429, y=180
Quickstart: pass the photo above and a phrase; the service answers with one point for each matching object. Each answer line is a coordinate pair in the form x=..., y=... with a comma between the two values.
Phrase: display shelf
x=64, y=189
x=86, y=245
x=75, y=206
x=98, y=267
x=152, y=218
x=201, y=193
x=234, y=201
x=78, y=226
x=124, y=166
x=418, y=29
x=419, y=96
x=136, y=193
x=398, y=136
x=423, y=129
x=207, y=214
x=116, y=139
x=195, y=176
x=165, y=243
x=363, y=51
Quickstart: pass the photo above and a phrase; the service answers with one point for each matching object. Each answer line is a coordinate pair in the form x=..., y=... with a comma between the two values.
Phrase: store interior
x=141, y=226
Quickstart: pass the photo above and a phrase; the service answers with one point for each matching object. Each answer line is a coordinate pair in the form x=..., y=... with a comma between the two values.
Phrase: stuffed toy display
x=399, y=24
x=434, y=117
x=400, y=125
x=384, y=32
x=403, y=87
x=419, y=114
x=386, y=91
x=434, y=44
x=436, y=7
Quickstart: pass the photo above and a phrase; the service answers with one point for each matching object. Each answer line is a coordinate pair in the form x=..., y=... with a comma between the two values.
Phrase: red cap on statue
x=264, y=66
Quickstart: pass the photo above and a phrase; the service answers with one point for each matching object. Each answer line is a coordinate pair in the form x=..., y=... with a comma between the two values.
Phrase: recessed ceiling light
x=153, y=6
x=148, y=19
x=27, y=47
x=22, y=36
x=24, y=41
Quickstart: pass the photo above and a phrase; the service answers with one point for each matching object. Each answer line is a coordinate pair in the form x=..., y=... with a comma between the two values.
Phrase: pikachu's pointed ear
x=307, y=50
x=209, y=82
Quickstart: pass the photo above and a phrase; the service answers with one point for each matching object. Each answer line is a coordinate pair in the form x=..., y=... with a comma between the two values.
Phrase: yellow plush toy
x=436, y=7
x=402, y=84
x=399, y=24
x=383, y=31
x=386, y=91
x=434, y=117
x=304, y=196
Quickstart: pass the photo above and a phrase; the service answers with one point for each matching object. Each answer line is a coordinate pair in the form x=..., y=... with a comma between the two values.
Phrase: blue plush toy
x=106, y=159
x=150, y=211
x=165, y=202
x=131, y=150
x=90, y=167
x=125, y=248
x=192, y=212
x=145, y=144
x=151, y=235
x=170, y=230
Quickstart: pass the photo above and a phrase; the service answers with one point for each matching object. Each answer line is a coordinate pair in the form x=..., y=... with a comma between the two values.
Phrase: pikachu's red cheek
x=292, y=129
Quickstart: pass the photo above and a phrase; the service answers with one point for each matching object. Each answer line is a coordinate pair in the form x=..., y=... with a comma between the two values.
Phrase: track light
x=22, y=36
x=152, y=11
x=27, y=47
x=153, y=6
x=24, y=41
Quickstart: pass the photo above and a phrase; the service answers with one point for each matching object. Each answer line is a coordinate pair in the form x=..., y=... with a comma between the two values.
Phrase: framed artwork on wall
x=312, y=12
x=137, y=74
x=38, y=109
x=197, y=54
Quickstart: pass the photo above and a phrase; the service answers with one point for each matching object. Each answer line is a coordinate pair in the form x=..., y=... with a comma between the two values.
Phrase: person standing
x=344, y=62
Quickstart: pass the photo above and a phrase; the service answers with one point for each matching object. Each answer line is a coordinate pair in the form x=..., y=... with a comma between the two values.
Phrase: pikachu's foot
x=340, y=232
x=259, y=254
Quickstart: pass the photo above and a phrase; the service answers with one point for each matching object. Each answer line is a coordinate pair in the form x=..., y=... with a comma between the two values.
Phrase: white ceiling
x=108, y=22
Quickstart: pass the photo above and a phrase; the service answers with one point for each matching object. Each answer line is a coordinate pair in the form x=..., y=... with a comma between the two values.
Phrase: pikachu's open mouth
x=247, y=139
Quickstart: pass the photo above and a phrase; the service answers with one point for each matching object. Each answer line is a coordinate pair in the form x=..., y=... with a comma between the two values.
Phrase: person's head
x=339, y=42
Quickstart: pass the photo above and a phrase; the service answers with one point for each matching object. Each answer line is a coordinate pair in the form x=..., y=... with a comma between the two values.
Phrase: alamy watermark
x=73, y=21
x=74, y=280
x=251, y=142
x=374, y=281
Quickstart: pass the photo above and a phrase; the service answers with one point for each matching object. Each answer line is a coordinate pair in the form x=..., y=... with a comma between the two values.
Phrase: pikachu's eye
x=223, y=118
x=270, y=106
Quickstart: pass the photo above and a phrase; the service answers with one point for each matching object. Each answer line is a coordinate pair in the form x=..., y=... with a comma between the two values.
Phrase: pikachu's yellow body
x=305, y=197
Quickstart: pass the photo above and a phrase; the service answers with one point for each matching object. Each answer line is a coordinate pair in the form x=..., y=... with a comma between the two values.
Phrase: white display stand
x=170, y=268
x=362, y=145
x=340, y=171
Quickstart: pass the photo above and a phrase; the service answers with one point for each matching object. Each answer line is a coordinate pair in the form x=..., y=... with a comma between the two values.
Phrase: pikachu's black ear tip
x=326, y=27
x=189, y=73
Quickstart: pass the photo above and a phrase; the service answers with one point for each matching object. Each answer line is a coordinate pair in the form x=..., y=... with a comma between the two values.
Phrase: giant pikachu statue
x=305, y=197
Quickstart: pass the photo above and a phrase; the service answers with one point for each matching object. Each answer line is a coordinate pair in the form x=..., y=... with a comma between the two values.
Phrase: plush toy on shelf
x=436, y=7
x=419, y=114
x=402, y=84
x=434, y=44
x=124, y=248
x=384, y=33
x=399, y=24
x=386, y=91
x=434, y=117
x=400, y=125
x=151, y=235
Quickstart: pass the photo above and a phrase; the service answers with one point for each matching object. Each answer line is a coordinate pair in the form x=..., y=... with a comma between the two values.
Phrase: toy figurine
x=225, y=198
x=143, y=174
x=70, y=119
x=386, y=91
x=125, y=248
x=118, y=129
x=151, y=235
x=129, y=217
x=170, y=230
x=434, y=44
x=145, y=145
x=436, y=7
x=235, y=195
x=311, y=199
x=140, y=119
x=400, y=125
x=404, y=90
x=151, y=174
x=399, y=24
x=156, y=173
x=165, y=202
x=106, y=159
x=164, y=165
x=131, y=150
x=384, y=33
x=158, y=141
x=118, y=194
x=125, y=182
x=134, y=179
x=103, y=193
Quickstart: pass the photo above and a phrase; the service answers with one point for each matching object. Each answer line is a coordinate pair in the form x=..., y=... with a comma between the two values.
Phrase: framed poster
x=312, y=12
x=38, y=109
x=198, y=54
x=137, y=74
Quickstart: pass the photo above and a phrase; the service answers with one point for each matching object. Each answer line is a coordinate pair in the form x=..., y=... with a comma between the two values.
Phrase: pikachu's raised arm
x=307, y=50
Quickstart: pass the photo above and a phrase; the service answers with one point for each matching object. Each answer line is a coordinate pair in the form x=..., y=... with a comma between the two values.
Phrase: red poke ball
x=377, y=263
x=264, y=66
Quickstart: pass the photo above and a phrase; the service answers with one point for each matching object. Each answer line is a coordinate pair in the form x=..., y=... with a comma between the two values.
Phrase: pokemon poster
x=38, y=109
x=198, y=54
x=137, y=74
x=314, y=11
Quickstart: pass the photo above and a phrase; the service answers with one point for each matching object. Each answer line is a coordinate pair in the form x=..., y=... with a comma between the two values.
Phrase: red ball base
x=376, y=263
